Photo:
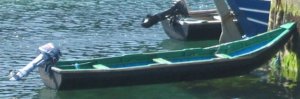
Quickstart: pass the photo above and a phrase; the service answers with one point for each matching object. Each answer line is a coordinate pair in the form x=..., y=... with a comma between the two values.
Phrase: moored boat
x=201, y=25
x=181, y=24
x=251, y=13
x=228, y=59
x=206, y=25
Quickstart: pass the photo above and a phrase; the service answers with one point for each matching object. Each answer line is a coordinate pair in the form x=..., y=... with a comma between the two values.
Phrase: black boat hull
x=163, y=73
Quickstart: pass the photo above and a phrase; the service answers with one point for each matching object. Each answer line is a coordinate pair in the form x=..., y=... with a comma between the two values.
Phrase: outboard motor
x=48, y=57
x=179, y=8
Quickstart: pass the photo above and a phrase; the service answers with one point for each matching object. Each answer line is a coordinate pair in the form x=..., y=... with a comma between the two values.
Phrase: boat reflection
x=238, y=87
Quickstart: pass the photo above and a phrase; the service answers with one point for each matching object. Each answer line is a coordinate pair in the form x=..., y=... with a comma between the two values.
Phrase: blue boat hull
x=252, y=15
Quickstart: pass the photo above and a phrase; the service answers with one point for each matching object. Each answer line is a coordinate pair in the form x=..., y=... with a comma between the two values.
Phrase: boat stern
x=51, y=79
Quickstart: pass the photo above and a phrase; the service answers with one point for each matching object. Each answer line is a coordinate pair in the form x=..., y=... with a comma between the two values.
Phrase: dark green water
x=104, y=28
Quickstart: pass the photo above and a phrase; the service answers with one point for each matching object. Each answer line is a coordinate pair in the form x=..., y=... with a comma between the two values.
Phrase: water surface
x=104, y=28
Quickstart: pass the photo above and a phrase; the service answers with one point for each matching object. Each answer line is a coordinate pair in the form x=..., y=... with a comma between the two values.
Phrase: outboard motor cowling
x=48, y=57
x=179, y=8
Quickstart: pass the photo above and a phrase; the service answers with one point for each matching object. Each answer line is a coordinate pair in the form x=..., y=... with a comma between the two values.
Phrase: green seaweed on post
x=285, y=70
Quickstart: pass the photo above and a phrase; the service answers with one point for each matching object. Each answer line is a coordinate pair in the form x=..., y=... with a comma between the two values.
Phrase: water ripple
x=81, y=28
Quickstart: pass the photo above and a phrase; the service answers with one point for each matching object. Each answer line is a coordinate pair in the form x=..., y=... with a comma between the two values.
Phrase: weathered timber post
x=283, y=11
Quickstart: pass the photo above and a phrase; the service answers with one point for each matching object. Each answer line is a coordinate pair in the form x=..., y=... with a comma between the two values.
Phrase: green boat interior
x=228, y=50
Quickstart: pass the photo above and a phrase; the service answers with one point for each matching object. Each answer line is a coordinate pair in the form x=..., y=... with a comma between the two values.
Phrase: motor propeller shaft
x=179, y=8
x=48, y=57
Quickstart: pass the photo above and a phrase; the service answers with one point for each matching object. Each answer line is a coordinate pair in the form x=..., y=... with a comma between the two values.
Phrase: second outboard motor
x=179, y=8
x=48, y=57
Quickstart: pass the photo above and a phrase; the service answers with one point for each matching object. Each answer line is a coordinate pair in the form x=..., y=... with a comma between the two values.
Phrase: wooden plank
x=161, y=61
x=100, y=66
x=222, y=56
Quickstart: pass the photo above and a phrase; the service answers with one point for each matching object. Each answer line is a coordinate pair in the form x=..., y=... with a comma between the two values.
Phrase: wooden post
x=283, y=11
